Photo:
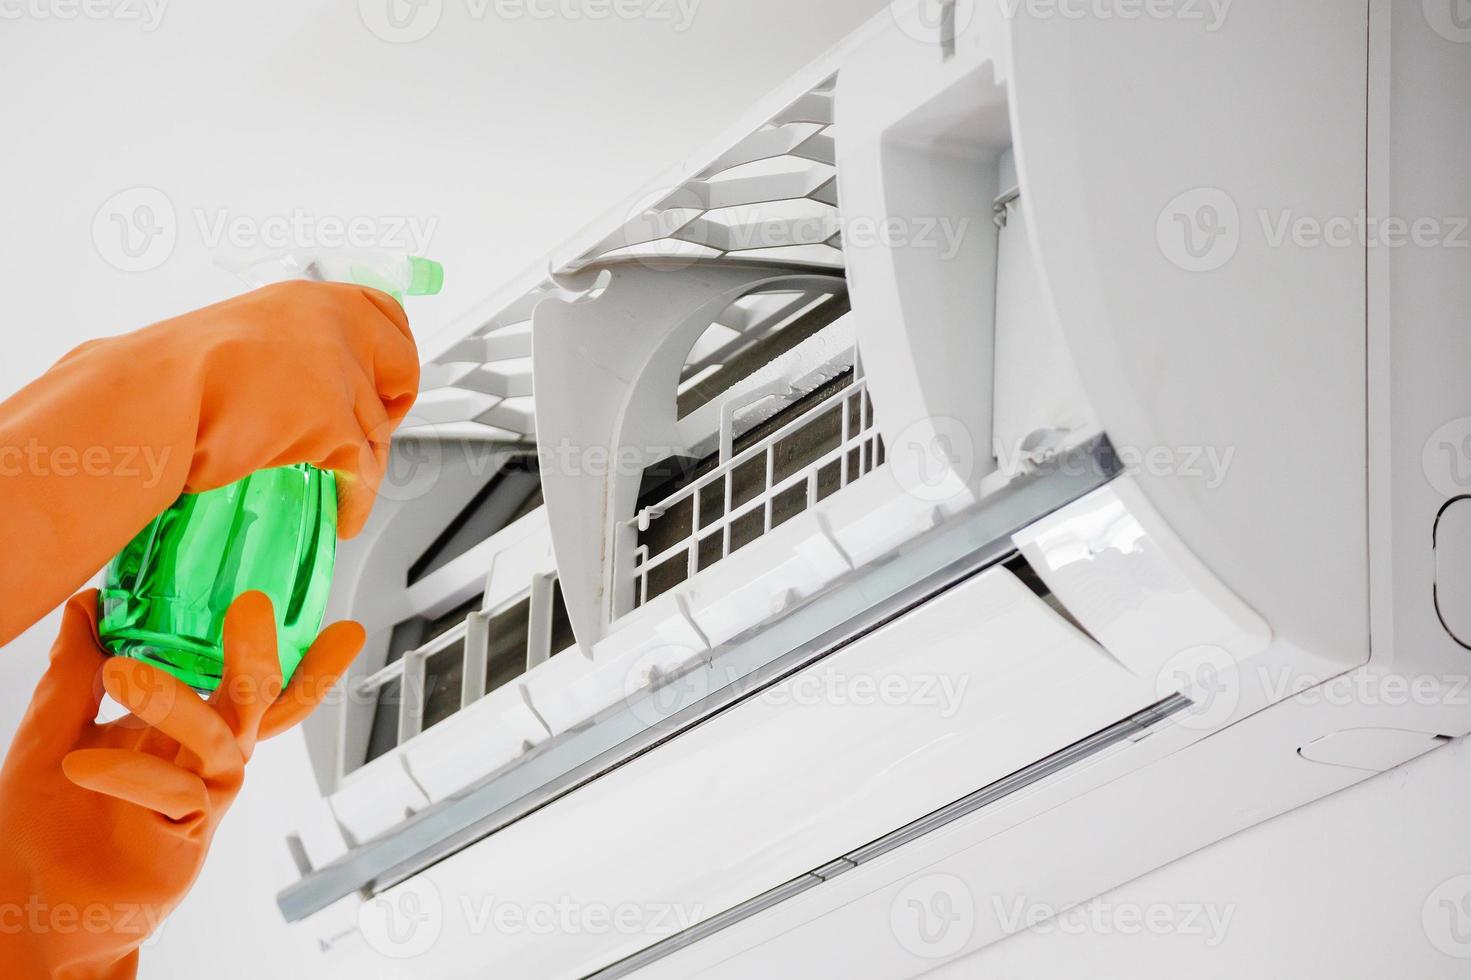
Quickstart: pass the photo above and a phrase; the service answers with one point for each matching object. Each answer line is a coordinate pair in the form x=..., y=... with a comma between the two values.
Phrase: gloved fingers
x=391, y=308
x=326, y=662
x=168, y=705
x=251, y=680
x=394, y=375
x=372, y=412
x=66, y=700
x=358, y=485
x=396, y=364
x=355, y=499
x=382, y=342
x=145, y=780
x=384, y=346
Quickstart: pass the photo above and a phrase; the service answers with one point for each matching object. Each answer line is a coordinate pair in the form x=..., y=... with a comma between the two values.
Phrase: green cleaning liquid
x=164, y=597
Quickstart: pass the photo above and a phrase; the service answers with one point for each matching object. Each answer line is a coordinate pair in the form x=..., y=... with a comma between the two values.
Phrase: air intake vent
x=780, y=469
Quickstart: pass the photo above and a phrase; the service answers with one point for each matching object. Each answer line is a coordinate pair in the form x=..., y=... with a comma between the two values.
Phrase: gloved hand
x=103, y=828
x=299, y=372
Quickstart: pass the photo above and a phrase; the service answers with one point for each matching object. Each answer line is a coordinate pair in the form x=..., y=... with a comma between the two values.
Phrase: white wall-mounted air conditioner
x=974, y=476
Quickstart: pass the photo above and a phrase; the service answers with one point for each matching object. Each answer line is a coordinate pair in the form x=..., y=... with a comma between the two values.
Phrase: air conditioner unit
x=1013, y=459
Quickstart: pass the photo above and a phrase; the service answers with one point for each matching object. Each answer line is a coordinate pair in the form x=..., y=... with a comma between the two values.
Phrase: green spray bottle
x=164, y=597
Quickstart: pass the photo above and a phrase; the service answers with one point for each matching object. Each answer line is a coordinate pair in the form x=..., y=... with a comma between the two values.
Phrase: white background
x=510, y=135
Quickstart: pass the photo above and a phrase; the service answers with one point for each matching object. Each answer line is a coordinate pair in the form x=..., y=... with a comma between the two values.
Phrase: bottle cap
x=426, y=277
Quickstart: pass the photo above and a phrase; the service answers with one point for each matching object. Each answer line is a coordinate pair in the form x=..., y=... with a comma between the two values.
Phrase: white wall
x=509, y=136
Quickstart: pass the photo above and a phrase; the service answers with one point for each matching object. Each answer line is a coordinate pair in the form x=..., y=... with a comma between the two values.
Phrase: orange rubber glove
x=300, y=372
x=103, y=828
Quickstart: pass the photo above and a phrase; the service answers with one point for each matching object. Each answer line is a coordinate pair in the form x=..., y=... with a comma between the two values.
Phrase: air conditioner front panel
x=978, y=683
x=1231, y=364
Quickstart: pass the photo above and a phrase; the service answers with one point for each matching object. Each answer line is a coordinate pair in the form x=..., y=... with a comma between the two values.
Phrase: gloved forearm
x=89, y=453
x=109, y=437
